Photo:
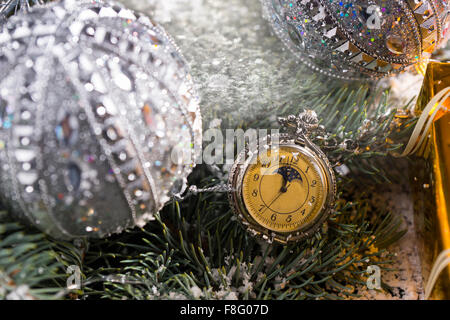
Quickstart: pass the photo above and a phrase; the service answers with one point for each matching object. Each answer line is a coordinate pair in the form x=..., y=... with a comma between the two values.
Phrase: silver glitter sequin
x=95, y=101
x=354, y=39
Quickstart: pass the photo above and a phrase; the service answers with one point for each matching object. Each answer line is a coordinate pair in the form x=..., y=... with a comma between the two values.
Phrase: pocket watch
x=283, y=189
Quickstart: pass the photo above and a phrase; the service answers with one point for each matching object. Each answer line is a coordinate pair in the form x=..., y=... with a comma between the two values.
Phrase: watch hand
x=276, y=198
x=283, y=187
x=283, y=190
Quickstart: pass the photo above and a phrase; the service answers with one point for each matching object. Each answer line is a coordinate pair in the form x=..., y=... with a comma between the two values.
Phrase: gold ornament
x=431, y=140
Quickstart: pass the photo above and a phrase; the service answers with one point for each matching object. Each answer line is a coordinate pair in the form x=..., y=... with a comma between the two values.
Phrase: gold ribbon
x=425, y=121
x=441, y=263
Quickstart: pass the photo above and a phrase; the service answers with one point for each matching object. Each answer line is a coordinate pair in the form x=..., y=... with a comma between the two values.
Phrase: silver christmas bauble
x=355, y=39
x=98, y=118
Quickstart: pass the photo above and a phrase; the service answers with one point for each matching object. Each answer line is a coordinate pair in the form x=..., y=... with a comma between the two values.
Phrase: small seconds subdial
x=284, y=191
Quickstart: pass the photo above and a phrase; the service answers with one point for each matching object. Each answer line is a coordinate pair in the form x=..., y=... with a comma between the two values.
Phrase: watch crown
x=303, y=124
x=292, y=118
x=308, y=120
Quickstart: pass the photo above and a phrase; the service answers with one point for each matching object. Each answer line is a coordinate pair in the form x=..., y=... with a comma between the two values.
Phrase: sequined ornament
x=351, y=39
x=98, y=118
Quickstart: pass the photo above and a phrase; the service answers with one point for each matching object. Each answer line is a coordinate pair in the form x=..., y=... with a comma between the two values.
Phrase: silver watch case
x=241, y=165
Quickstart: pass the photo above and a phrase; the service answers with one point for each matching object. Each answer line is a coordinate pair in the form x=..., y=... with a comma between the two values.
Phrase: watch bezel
x=237, y=175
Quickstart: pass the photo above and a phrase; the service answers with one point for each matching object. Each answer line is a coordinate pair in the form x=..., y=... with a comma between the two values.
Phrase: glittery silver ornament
x=355, y=39
x=98, y=118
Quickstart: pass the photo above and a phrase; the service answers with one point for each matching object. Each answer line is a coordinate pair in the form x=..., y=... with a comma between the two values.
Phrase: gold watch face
x=285, y=190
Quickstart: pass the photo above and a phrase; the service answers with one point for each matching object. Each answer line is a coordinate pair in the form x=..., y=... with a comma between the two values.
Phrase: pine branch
x=30, y=265
x=360, y=129
x=203, y=253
